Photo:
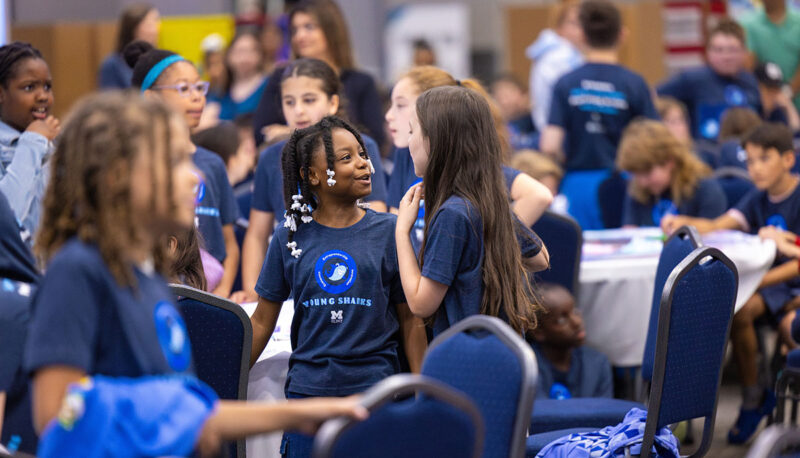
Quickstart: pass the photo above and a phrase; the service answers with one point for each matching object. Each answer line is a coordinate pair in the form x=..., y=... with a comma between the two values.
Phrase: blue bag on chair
x=129, y=417
x=612, y=441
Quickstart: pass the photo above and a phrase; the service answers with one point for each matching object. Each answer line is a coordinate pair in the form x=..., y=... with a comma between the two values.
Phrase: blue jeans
x=294, y=444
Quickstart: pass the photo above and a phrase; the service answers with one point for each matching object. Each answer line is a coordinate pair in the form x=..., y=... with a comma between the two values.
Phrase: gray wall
x=47, y=11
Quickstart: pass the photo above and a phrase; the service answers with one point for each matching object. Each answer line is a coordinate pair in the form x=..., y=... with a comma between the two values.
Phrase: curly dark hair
x=296, y=160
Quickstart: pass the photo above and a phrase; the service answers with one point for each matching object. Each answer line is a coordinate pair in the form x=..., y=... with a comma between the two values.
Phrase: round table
x=617, y=277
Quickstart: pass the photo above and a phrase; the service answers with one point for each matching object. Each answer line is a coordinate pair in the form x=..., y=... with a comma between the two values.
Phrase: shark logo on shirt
x=335, y=271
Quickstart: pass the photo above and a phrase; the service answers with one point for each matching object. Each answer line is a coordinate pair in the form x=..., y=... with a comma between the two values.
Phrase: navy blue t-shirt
x=216, y=205
x=707, y=95
x=268, y=187
x=16, y=259
x=593, y=104
x=82, y=318
x=345, y=285
x=708, y=201
x=403, y=177
x=454, y=257
x=589, y=375
x=18, y=279
x=759, y=211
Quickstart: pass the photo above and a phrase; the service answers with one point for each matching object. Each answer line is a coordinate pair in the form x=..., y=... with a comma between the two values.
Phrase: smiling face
x=191, y=106
x=404, y=98
x=350, y=165
x=304, y=102
x=27, y=95
x=308, y=39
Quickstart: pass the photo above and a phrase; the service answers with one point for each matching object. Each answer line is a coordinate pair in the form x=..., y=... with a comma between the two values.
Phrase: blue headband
x=157, y=69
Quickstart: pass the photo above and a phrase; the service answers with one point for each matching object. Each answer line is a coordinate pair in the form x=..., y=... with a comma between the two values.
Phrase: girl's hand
x=409, y=209
x=241, y=297
x=312, y=412
x=275, y=133
x=48, y=127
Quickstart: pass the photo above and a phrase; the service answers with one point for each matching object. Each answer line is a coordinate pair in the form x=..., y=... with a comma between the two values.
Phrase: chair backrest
x=776, y=441
x=563, y=237
x=735, y=183
x=438, y=422
x=484, y=358
x=682, y=242
x=693, y=328
x=221, y=336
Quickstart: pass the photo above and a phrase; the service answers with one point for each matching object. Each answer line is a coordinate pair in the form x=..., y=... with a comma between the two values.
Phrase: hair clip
x=371, y=167
x=296, y=201
x=331, y=181
x=295, y=251
x=305, y=208
x=306, y=219
x=290, y=223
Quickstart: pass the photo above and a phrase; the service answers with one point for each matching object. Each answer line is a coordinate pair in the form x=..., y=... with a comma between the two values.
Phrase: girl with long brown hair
x=668, y=179
x=470, y=259
x=529, y=197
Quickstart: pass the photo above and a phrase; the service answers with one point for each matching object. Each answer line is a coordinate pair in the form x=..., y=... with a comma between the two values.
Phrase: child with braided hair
x=338, y=262
x=27, y=130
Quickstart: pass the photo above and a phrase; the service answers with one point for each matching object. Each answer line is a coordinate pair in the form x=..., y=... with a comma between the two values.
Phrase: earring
x=331, y=181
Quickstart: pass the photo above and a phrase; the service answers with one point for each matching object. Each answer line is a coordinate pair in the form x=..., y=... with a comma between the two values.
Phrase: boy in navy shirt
x=566, y=368
x=775, y=202
x=709, y=90
x=590, y=108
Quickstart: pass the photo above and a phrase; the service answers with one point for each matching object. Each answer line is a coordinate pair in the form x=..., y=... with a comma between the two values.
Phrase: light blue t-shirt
x=24, y=173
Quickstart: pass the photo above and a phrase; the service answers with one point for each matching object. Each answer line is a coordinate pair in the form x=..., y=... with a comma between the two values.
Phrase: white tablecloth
x=267, y=377
x=617, y=281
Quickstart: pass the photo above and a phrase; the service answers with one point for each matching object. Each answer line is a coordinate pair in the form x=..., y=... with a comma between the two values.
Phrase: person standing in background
x=139, y=21
x=555, y=52
x=773, y=35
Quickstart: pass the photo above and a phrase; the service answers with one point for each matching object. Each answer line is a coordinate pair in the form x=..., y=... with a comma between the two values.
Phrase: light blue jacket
x=24, y=173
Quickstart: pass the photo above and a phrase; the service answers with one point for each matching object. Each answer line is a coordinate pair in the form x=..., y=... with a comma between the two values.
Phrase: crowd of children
x=378, y=253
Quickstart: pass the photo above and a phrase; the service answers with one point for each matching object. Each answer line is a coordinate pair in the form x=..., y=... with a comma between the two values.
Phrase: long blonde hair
x=427, y=77
x=646, y=144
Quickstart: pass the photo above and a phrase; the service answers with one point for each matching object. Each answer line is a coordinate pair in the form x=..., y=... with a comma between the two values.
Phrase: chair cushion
x=554, y=414
x=536, y=442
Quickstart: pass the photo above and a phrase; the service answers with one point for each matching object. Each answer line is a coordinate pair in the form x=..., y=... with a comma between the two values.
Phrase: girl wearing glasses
x=175, y=80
